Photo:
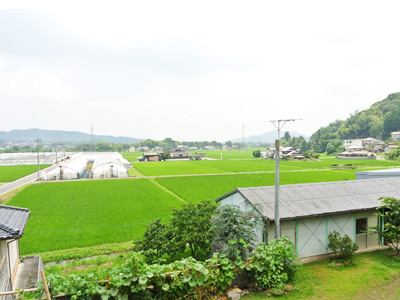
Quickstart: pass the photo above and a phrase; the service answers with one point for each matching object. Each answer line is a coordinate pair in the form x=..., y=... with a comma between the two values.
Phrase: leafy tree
x=286, y=136
x=228, y=144
x=232, y=224
x=159, y=239
x=389, y=211
x=257, y=153
x=342, y=246
x=192, y=223
x=394, y=154
x=391, y=123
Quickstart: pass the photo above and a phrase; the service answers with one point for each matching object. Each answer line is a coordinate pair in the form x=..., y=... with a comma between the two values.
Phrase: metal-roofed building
x=309, y=212
x=12, y=224
x=385, y=173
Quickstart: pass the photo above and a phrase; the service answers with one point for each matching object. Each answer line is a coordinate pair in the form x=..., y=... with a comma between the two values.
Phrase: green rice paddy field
x=248, y=165
x=85, y=213
x=11, y=173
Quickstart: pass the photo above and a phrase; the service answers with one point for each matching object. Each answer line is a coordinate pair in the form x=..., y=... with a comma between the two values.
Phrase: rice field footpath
x=165, y=168
x=11, y=173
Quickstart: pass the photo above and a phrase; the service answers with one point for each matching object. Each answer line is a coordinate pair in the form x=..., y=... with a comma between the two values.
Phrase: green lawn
x=79, y=214
x=375, y=276
x=11, y=173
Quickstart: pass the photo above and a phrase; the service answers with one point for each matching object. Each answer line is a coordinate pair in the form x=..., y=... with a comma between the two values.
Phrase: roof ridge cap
x=9, y=229
x=14, y=207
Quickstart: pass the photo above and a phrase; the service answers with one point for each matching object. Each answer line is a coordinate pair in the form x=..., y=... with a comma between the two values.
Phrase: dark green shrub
x=343, y=247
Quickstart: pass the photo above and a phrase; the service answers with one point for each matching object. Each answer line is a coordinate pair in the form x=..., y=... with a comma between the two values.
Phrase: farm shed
x=378, y=174
x=12, y=224
x=309, y=212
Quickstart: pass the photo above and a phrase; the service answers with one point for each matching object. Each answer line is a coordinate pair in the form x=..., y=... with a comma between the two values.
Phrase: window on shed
x=361, y=225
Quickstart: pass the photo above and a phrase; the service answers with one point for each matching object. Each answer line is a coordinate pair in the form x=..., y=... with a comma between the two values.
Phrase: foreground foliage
x=235, y=230
x=389, y=211
x=342, y=246
x=272, y=266
x=190, y=227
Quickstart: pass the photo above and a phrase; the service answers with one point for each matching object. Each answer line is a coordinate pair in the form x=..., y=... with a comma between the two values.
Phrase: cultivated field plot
x=228, y=154
x=131, y=156
x=11, y=173
x=250, y=165
x=196, y=188
x=78, y=214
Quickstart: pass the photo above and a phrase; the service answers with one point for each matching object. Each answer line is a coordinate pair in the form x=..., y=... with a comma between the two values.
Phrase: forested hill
x=378, y=121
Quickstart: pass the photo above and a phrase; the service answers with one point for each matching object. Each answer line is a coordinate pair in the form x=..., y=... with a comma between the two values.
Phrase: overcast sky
x=194, y=70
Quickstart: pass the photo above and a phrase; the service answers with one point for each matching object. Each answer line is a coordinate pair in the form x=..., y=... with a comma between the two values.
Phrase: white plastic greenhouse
x=111, y=165
x=96, y=165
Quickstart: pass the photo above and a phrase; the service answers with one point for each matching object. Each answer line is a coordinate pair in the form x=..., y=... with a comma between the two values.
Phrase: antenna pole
x=279, y=125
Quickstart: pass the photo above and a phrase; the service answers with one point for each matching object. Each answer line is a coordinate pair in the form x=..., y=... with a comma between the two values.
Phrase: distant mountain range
x=268, y=137
x=59, y=136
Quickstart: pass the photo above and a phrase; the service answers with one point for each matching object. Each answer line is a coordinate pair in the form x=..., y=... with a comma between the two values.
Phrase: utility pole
x=55, y=146
x=91, y=139
x=279, y=125
x=38, y=168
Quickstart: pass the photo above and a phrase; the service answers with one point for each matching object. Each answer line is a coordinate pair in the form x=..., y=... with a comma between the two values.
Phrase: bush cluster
x=272, y=266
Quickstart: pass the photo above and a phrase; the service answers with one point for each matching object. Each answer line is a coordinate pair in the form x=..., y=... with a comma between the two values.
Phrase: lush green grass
x=196, y=188
x=250, y=165
x=11, y=173
x=131, y=156
x=375, y=276
x=85, y=213
x=228, y=154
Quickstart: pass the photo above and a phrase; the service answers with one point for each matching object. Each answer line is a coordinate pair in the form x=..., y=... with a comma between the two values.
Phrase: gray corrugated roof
x=12, y=221
x=304, y=200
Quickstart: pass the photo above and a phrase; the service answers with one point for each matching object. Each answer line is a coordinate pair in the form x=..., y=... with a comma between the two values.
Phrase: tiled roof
x=311, y=199
x=12, y=221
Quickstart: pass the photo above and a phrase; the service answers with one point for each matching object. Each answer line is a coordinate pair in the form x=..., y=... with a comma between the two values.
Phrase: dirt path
x=389, y=291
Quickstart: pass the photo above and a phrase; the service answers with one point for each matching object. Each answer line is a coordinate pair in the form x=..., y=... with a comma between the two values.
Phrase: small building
x=151, y=157
x=390, y=147
x=309, y=212
x=356, y=155
x=132, y=149
x=353, y=142
x=378, y=174
x=396, y=135
x=178, y=154
x=12, y=224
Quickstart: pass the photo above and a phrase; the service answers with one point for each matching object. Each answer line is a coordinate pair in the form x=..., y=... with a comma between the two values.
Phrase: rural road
x=22, y=181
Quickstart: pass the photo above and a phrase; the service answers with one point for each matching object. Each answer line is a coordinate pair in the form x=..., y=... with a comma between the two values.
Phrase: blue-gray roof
x=12, y=221
x=312, y=199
